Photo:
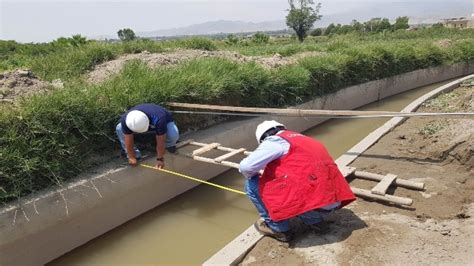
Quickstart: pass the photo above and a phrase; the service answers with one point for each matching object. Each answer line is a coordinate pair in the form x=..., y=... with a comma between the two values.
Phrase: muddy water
x=193, y=226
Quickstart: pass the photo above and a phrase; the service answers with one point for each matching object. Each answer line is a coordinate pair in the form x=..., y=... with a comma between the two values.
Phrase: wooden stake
x=387, y=198
x=205, y=148
x=382, y=186
x=228, y=155
x=398, y=181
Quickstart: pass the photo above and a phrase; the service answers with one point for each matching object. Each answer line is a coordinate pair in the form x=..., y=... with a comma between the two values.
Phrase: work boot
x=171, y=149
x=319, y=228
x=265, y=230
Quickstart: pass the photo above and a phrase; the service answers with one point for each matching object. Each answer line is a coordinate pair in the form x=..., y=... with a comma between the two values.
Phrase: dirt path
x=103, y=71
x=437, y=229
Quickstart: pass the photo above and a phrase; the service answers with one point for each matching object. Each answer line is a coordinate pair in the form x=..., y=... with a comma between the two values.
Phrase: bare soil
x=105, y=70
x=19, y=83
x=437, y=229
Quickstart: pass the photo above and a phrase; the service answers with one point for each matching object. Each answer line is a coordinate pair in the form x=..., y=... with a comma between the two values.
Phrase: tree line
x=374, y=25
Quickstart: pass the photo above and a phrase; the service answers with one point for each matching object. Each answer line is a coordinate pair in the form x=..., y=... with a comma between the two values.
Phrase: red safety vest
x=304, y=179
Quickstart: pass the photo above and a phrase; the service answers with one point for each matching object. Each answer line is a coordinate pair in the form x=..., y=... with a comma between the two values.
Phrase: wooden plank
x=199, y=143
x=204, y=159
x=399, y=182
x=301, y=112
x=209, y=160
x=221, y=148
x=206, y=148
x=308, y=112
x=386, y=198
x=230, y=164
x=228, y=155
x=183, y=143
x=346, y=171
x=382, y=186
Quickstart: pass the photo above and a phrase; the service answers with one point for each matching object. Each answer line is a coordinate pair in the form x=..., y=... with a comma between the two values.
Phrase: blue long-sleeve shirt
x=271, y=149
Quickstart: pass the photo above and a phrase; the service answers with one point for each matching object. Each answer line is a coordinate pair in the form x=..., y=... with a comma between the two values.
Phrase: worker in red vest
x=299, y=179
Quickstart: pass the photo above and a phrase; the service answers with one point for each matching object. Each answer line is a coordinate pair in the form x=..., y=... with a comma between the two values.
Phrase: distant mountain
x=219, y=26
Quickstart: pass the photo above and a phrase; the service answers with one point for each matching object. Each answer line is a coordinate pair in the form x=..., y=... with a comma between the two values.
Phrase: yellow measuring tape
x=194, y=179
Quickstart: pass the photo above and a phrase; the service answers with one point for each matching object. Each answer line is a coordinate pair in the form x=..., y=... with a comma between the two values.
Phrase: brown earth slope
x=23, y=82
x=437, y=229
x=103, y=71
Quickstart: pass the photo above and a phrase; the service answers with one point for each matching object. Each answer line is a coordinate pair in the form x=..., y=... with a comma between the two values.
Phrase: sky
x=39, y=20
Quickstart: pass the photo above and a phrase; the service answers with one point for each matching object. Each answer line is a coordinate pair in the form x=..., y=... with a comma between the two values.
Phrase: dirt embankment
x=19, y=83
x=103, y=71
x=23, y=82
x=437, y=229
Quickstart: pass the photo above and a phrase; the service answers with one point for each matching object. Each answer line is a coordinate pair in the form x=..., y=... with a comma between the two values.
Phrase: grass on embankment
x=50, y=138
x=52, y=61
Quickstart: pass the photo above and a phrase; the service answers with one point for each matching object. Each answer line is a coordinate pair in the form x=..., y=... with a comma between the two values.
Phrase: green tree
x=316, y=32
x=384, y=25
x=344, y=29
x=126, y=34
x=75, y=41
x=377, y=25
x=337, y=29
x=301, y=16
x=401, y=23
x=78, y=40
x=357, y=26
x=331, y=28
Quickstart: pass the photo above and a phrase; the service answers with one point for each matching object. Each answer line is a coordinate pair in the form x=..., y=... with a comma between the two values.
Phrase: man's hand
x=160, y=164
x=132, y=161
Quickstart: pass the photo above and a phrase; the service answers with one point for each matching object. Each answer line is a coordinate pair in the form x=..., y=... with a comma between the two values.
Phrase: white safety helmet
x=137, y=121
x=265, y=126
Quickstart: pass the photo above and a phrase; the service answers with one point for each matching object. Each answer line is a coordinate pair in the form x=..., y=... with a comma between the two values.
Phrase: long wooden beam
x=306, y=112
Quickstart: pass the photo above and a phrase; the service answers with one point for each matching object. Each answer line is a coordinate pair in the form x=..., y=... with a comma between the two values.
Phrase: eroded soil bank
x=437, y=229
x=103, y=71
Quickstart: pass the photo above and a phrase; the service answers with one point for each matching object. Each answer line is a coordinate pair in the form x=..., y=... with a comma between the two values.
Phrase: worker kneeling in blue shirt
x=145, y=118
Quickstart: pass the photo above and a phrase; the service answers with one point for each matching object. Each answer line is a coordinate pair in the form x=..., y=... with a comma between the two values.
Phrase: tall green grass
x=72, y=62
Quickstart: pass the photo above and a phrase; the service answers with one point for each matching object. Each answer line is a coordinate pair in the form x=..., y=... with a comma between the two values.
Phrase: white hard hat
x=265, y=126
x=137, y=121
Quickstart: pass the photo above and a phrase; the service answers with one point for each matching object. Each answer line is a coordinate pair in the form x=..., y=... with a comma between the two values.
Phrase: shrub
x=463, y=50
x=200, y=43
x=260, y=38
x=231, y=39
x=141, y=45
x=316, y=32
